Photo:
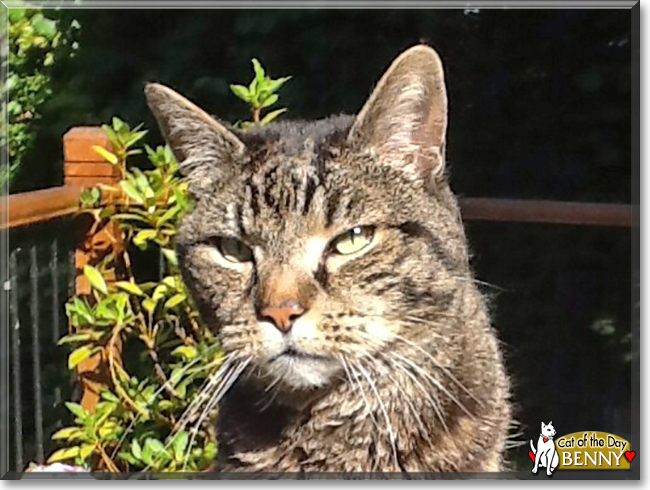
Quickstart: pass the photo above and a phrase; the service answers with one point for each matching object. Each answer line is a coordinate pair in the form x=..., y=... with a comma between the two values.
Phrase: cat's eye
x=233, y=250
x=353, y=241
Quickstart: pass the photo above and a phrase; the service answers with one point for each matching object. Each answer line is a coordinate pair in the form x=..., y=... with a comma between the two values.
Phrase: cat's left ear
x=405, y=118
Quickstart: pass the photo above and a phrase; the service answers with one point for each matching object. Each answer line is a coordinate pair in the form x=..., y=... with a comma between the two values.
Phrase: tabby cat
x=330, y=258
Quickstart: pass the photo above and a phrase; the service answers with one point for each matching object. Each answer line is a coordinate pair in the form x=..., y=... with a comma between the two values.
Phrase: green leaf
x=79, y=337
x=170, y=255
x=117, y=123
x=16, y=14
x=187, y=352
x=210, y=451
x=44, y=27
x=160, y=292
x=149, y=305
x=155, y=446
x=274, y=85
x=169, y=214
x=95, y=278
x=179, y=444
x=128, y=457
x=175, y=300
x=129, y=287
x=86, y=450
x=271, y=116
x=76, y=409
x=259, y=71
x=136, y=450
x=241, y=92
x=106, y=309
x=143, y=236
x=130, y=190
x=61, y=454
x=270, y=100
x=108, y=396
x=78, y=356
x=105, y=154
x=67, y=433
x=170, y=282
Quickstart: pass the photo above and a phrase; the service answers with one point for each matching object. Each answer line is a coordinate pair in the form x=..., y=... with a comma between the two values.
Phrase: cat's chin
x=298, y=372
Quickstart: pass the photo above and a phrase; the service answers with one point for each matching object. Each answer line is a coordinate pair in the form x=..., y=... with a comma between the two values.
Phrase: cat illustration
x=331, y=261
x=545, y=454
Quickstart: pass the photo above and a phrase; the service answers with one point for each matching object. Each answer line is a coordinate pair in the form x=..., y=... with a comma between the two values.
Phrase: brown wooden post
x=84, y=167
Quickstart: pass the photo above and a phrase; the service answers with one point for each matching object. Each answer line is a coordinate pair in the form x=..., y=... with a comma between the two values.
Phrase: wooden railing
x=84, y=168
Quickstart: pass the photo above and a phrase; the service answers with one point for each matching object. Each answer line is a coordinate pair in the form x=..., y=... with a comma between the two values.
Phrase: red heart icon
x=532, y=456
x=630, y=455
x=545, y=439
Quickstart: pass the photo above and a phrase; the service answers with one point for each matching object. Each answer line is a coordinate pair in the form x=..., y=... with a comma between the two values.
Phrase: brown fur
x=398, y=367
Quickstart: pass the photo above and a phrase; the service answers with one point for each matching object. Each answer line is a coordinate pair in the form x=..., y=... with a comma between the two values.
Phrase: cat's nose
x=284, y=315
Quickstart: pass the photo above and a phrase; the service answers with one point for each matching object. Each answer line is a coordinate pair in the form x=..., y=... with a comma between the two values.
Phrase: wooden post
x=84, y=167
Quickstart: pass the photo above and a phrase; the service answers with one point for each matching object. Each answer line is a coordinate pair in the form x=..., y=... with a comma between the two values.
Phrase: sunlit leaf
x=86, y=450
x=187, y=352
x=95, y=278
x=62, y=454
x=67, y=433
x=76, y=409
x=241, y=92
x=175, y=300
x=129, y=287
x=105, y=154
x=271, y=116
x=79, y=355
x=130, y=190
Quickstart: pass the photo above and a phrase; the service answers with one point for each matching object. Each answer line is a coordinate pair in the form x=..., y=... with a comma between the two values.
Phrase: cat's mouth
x=291, y=352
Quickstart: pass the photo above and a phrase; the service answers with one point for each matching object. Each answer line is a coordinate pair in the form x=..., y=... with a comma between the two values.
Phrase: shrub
x=152, y=415
x=36, y=40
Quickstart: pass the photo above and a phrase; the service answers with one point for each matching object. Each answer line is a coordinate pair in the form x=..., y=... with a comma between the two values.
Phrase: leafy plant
x=36, y=41
x=260, y=94
x=147, y=331
x=145, y=328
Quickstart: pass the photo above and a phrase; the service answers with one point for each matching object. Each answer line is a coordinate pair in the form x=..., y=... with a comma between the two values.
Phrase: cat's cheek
x=381, y=332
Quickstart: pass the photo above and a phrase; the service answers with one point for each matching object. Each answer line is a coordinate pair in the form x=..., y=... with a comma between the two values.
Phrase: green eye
x=234, y=250
x=353, y=240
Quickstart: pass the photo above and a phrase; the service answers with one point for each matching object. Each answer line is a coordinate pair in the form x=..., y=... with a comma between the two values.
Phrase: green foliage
x=147, y=331
x=36, y=41
x=260, y=94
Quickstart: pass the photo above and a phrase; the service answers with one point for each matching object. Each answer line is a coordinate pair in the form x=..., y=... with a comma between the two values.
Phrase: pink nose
x=284, y=315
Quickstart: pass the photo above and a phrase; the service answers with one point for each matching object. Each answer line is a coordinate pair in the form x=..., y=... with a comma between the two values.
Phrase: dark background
x=540, y=108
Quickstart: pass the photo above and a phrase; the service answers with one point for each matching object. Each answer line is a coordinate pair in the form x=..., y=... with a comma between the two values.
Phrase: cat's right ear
x=405, y=118
x=198, y=141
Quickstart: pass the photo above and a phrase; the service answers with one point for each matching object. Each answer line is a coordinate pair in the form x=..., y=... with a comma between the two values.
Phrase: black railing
x=40, y=279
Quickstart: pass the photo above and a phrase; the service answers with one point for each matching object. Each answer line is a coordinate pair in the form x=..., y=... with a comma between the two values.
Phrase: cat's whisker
x=481, y=283
x=203, y=393
x=435, y=383
x=275, y=393
x=373, y=387
x=198, y=401
x=227, y=382
x=430, y=396
x=165, y=386
x=354, y=381
x=440, y=366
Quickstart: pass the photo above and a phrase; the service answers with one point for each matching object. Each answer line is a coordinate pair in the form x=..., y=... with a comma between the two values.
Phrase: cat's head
x=315, y=243
x=548, y=430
